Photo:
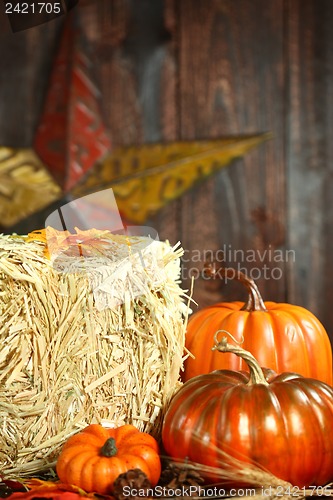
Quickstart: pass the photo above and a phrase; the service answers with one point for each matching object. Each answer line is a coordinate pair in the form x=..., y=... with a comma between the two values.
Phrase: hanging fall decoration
x=281, y=336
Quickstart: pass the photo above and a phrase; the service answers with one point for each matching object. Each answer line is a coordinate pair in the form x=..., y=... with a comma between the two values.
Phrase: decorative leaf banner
x=72, y=153
x=145, y=178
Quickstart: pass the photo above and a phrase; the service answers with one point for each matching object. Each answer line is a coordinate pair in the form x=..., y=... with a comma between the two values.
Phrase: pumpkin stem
x=254, y=301
x=109, y=448
x=256, y=374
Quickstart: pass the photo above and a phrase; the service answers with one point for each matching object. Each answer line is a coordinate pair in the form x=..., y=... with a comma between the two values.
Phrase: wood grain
x=231, y=82
x=26, y=59
x=309, y=158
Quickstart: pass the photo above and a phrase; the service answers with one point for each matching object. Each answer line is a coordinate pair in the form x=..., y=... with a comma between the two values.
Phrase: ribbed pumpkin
x=279, y=422
x=281, y=336
x=96, y=456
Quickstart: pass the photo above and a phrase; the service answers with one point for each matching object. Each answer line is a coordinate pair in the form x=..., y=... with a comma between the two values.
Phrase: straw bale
x=86, y=340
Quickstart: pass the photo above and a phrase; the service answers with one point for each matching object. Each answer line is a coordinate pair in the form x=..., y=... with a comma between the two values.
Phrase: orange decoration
x=95, y=457
x=231, y=419
x=284, y=337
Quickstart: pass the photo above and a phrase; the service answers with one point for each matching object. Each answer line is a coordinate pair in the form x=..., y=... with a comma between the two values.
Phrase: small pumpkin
x=96, y=456
x=283, y=336
x=282, y=425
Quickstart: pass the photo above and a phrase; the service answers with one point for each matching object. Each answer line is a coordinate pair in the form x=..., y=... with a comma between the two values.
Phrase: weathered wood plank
x=310, y=154
x=26, y=59
x=167, y=221
x=135, y=49
x=231, y=83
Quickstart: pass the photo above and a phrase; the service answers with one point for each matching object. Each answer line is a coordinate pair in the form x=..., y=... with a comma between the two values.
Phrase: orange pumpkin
x=281, y=336
x=96, y=456
x=278, y=422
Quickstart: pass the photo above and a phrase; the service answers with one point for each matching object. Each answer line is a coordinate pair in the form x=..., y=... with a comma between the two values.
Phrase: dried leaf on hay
x=84, y=242
x=72, y=355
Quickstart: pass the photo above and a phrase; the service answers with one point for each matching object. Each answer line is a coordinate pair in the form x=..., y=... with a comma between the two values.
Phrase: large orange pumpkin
x=226, y=419
x=284, y=337
x=96, y=456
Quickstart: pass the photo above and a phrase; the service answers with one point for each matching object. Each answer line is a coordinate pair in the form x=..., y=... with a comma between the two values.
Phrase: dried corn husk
x=82, y=342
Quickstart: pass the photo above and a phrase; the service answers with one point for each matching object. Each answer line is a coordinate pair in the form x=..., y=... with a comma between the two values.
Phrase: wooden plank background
x=195, y=69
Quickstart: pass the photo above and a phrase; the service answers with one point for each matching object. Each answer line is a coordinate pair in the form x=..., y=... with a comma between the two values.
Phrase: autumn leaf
x=84, y=243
